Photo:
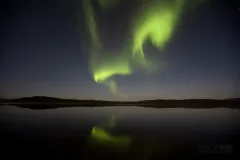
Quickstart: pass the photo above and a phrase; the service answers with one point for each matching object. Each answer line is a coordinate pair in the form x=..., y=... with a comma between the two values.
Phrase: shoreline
x=44, y=105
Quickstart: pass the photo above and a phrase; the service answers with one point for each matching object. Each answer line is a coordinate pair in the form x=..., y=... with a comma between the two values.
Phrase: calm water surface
x=64, y=133
x=133, y=120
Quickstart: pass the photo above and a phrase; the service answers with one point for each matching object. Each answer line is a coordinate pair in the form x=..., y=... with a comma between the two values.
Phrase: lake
x=154, y=133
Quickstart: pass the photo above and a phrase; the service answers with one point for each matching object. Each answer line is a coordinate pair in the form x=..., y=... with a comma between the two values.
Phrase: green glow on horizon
x=154, y=21
x=113, y=66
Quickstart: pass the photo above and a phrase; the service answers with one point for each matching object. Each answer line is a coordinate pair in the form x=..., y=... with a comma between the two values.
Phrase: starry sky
x=44, y=53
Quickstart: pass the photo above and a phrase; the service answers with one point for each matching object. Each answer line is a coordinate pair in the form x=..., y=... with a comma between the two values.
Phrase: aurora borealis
x=154, y=20
x=136, y=49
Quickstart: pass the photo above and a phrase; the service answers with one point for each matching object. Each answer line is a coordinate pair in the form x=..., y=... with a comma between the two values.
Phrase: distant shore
x=38, y=102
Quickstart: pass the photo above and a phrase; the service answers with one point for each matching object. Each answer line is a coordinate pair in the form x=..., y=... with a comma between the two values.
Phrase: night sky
x=44, y=52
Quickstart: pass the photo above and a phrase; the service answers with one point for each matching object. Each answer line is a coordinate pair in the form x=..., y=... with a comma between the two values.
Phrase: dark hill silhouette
x=42, y=102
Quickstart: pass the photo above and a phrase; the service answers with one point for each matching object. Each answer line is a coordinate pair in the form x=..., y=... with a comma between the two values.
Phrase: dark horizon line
x=42, y=102
x=117, y=100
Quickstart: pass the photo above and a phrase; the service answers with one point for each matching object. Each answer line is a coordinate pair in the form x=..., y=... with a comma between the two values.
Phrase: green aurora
x=154, y=21
x=103, y=138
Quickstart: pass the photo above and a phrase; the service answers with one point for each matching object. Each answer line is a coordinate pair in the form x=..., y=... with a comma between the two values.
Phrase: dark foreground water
x=65, y=133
